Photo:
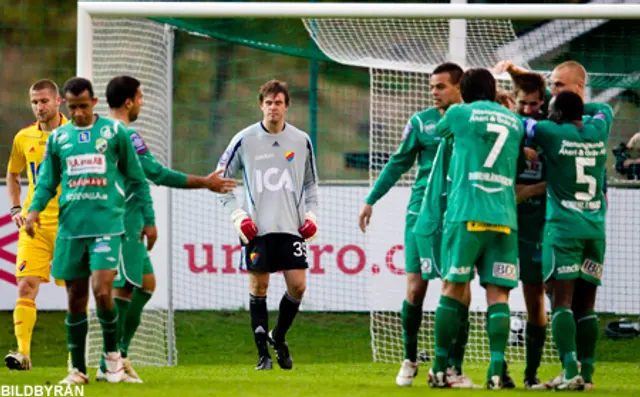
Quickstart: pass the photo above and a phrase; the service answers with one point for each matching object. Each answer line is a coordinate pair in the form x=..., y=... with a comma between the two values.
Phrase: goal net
x=354, y=85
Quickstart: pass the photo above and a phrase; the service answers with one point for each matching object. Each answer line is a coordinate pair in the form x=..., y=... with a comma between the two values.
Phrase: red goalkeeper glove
x=309, y=230
x=244, y=225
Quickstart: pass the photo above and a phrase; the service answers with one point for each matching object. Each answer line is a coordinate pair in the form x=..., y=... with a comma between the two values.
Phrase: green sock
x=77, y=329
x=563, y=329
x=446, y=327
x=139, y=299
x=411, y=319
x=109, y=323
x=534, y=345
x=122, y=305
x=498, y=328
x=456, y=353
x=587, y=329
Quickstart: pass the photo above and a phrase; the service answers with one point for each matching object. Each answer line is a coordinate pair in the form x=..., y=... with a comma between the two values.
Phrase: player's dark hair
x=120, y=89
x=45, y=84
x=530, y=83
x=454, y=70
x=569, y=105
x=478, y=85
x=78, y=85
x=274, y=87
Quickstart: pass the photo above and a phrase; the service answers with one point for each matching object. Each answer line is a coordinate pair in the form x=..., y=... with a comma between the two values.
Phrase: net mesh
x=142, y=49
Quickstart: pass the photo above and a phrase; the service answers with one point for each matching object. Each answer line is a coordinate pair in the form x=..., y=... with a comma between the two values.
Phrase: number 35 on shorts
x=299, y=249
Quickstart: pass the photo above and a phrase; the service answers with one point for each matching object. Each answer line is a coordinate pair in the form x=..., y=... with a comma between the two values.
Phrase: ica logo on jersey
x=273, y=179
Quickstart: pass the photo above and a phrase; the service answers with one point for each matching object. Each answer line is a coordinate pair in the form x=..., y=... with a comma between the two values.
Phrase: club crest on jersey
x=84, y=137
x=101, y=145
x=253, y=257
x=106, y=132
x=138, y=143
x=289, y=156
x=22, y=266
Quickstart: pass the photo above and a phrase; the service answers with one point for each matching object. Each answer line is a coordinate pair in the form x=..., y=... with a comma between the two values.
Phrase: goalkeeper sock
x=139, y=299
x=411, y=320
x=122, y=305
x=447, y=321
x=288, y=309
x=259, y=323
x=534, y=344
x=587, y=328
x=24, y=319
x=563, y=329
x=109, y=323
x=498, y=328
x=77, y=329
x=456, y=353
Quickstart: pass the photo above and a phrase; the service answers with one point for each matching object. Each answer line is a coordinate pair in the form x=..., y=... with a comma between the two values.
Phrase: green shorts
x=135, y=262
x=78, y=257
x=411, y=254
x=429, y=250
x=494, y=254
x=530, y=262
x=572, y=258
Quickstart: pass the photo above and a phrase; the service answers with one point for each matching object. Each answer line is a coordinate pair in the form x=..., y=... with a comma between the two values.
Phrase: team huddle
x=510, y=186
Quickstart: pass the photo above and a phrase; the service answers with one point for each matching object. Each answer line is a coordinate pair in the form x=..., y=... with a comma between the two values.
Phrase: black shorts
x=274, y=252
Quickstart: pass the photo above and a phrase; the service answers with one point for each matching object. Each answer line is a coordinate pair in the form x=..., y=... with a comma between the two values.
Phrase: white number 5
x=581, y=177
x=502, y=132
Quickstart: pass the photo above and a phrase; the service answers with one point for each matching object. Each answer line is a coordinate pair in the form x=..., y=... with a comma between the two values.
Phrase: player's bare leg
x=296, y=280
x=587, y=328
x=77, y=328
x=24, y=319
x=498, y=326
x=101, y=282
x=411, y=319
x=563, y=328
x=535, y=332
x=258, y=285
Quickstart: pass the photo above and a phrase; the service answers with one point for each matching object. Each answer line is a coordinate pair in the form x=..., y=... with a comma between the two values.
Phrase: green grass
x=331, y=352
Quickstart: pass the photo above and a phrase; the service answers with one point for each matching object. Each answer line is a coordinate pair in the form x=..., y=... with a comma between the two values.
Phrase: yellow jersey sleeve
x=17, y=159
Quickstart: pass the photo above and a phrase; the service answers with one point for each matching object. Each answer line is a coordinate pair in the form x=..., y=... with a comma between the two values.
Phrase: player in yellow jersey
x=34, y=254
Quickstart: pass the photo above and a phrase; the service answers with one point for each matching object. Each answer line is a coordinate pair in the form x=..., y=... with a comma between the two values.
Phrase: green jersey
x=155, y=172
x=434, y=202
x=488, y=141
x=576, y=159
x=91, y=164
x=418, y=141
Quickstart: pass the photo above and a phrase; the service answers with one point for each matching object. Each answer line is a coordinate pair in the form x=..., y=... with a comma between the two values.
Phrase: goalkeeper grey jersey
x=280, y=178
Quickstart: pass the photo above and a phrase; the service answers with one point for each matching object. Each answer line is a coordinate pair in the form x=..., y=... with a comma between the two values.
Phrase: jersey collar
x=63, y=120
x=267, y=131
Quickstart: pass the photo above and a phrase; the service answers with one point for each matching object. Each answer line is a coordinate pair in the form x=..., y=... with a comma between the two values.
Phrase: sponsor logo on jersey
x=407, y=129
x=74, y=183
x=507, y=271
x=289, y=156
x=86, y=164
x=533, y=170
x=66, y=146
x=86, y=196
x=84, y=136
x=425, y=265
x=264, y=156
x=273, y=179
x=102, y=247
x=592, y=268
x=101, y=145
x=568, y=269
x=464, y=270
x=138, y=143
x=106, y=132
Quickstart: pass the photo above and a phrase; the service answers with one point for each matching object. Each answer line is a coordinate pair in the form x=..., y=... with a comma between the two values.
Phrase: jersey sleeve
x=17, y=159
x=399, y=163
x=443, y=128
x=129, y=166
x=153, y=170
x=231, y=163
x=310, y=180
x=48, y=177
x=601, y=114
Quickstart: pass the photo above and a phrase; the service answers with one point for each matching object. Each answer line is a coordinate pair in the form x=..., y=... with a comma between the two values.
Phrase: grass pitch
x=331, y=354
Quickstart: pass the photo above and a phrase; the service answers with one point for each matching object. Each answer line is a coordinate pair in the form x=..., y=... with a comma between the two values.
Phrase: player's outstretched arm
x=507, y=66
x=48, y=178
x=129, y=166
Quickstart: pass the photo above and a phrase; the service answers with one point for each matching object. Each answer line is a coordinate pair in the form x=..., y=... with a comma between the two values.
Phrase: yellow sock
x=24, y=318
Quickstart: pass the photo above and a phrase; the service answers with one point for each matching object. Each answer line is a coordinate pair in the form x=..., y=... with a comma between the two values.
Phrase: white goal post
x=97, y=64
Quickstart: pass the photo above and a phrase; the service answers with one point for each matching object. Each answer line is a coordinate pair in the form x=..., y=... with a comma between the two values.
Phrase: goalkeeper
x=418, y=141
x=136, y=281
x=90, y=158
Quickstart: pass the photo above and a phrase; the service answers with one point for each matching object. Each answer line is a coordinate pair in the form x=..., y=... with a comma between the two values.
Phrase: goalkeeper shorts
x=274, y=252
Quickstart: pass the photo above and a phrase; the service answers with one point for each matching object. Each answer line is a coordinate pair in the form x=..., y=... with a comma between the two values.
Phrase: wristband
x=15, y=210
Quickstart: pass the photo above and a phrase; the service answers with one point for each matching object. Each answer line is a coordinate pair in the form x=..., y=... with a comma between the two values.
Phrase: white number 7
x=502, y=132
x=581, y=177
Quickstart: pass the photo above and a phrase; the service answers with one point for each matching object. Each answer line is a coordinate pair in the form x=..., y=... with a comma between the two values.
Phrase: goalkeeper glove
x=309, y=230
x=244, y=225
